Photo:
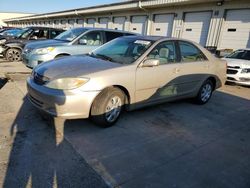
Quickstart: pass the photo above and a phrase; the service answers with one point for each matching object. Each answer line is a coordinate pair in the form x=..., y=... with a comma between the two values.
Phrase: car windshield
x=240, y=54
x=122, y=50
x=25, y=33
x=71, y=34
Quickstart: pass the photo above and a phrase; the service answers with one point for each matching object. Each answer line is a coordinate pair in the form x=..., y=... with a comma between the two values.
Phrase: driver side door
x=159, y=82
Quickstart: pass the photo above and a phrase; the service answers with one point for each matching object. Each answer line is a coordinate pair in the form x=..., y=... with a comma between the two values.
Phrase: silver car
x=72, y=42
x=131, y=72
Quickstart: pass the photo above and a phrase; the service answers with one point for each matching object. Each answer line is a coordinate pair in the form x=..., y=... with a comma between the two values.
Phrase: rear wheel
x=205, y=92
x=107, y=107
x=13, y=54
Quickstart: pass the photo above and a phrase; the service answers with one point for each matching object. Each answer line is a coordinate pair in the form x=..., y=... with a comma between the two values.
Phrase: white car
x=238, y=67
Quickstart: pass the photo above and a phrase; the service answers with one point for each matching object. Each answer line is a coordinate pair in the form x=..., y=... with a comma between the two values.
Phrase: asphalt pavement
x=176, y=144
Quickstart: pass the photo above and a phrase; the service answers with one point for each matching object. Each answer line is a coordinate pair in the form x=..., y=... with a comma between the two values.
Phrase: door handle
x=176, y=70
x=206, y=66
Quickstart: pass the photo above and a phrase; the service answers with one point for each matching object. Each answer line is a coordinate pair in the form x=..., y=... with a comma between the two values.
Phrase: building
x=9, y=15
x=216, y=24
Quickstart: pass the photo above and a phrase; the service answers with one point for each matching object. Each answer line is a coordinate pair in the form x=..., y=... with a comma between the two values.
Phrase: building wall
x=8, y=15
x=214, y=33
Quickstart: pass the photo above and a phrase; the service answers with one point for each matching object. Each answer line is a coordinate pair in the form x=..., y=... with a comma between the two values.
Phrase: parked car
x=131, y=71
x=10, y=32
x=238, y=69
x=72, y=42
x=7, y=35
x=12, y=48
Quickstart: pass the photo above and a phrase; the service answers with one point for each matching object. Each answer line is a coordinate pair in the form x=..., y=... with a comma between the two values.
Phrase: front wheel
x=13, y=54
x=107, y=107
x=205, y=92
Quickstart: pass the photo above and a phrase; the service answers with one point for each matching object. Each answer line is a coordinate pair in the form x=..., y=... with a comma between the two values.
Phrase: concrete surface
x=32, y=152
x=170, y=145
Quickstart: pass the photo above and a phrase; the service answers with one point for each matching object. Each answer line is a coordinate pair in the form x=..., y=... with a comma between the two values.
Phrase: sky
x=44, y=6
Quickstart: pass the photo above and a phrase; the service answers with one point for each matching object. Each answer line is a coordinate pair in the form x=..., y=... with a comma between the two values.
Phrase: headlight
x=67, y=83
x=2, y=41
x=44, y=50
x=245, y=71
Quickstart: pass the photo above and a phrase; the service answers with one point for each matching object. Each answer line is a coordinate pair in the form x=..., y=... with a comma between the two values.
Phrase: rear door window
x=190, y=53
x=112, y=35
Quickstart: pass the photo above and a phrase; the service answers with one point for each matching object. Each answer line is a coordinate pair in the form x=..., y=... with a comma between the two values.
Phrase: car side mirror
x=83, y=41
x=151, y=63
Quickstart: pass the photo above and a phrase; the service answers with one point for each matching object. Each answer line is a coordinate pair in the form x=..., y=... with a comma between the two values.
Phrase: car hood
x=45, y=43
x=238, y=63
x=73, y=66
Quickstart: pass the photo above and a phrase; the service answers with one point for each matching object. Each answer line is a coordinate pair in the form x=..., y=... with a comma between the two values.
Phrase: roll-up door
x=236, y=30
x=103, y=22
x=119, y=23
x=162, y=25
x=138, y=24
x=196, y=26
x=90, y=22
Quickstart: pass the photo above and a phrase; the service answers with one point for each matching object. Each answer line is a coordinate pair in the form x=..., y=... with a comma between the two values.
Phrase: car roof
x=105, y=29
x=151, y=38
x=39, y=27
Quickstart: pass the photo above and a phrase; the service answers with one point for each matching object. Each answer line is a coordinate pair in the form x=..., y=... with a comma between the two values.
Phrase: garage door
x=196, y=26
x=119, y=23
x=163, y=25
x=79, y=23
x=103, y=22
x=138, y=24
x=236, y=30
x=63, y=23
x=90, y=22
x=71, y=23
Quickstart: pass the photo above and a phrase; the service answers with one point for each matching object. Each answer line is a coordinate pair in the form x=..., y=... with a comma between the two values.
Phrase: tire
x=103, y=111
x=205, y=92
x=13, y=54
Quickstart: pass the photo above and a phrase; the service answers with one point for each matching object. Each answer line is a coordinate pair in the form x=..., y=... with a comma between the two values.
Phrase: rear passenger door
x=194, y=67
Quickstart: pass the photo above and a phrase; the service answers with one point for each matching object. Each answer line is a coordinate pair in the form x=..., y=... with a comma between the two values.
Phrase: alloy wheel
x=113, y=109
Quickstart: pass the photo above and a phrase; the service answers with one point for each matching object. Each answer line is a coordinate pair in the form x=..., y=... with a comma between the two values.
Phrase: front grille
x=244, y=79
x=230, y=71
x=39, y=79
x=234, y=67
x=230, y=78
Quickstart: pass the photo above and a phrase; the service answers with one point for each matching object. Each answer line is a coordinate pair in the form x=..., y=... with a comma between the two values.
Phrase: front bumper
x=2, y=49
x=70, y=104
x=235, y=76
x=32, y=60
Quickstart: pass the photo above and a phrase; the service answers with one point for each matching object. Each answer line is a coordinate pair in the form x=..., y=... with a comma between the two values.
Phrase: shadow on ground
x=171, y=145
x=37, y=159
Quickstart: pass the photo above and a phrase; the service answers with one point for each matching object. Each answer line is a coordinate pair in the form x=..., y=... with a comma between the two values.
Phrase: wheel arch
x=213, y=80
x=61, y=55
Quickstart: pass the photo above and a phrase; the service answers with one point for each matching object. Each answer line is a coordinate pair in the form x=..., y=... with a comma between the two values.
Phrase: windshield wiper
x=102, y=57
